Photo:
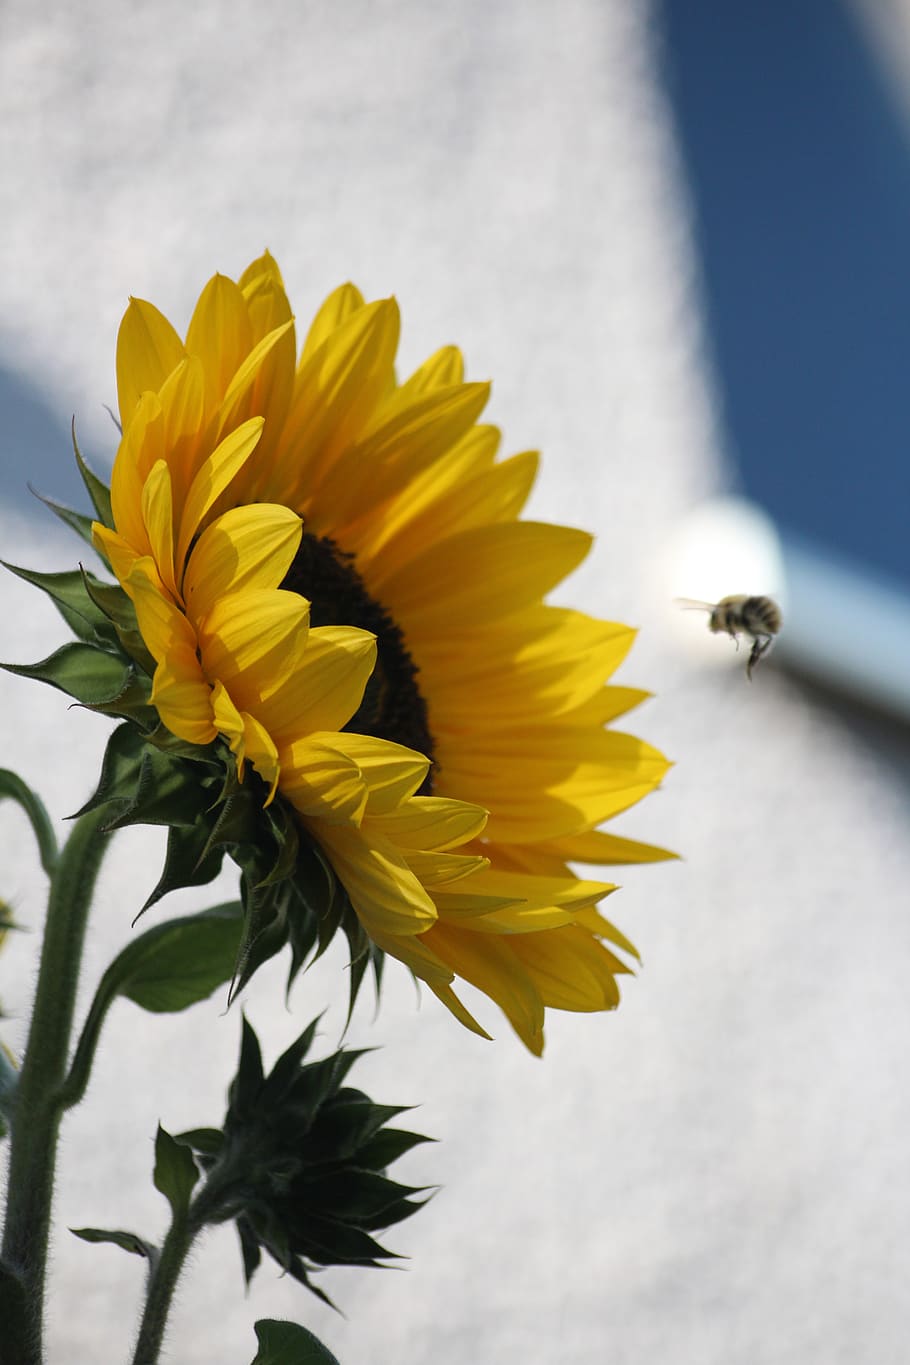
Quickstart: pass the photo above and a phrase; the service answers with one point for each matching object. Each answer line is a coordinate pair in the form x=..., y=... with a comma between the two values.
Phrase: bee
x=758, y=617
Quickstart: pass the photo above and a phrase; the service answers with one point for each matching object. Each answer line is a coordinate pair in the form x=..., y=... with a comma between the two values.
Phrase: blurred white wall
x=718, y=1171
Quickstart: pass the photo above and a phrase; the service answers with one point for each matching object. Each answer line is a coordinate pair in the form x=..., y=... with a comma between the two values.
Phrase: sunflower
x=411, y=531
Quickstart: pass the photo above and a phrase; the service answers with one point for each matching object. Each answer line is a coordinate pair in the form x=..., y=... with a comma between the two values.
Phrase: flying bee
x=758, y=617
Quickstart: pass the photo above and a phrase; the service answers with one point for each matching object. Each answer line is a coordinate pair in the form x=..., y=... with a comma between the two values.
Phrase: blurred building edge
x=797, y=155
x=845, y=627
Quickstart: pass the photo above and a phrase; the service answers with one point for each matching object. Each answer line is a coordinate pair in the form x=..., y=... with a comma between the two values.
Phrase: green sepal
x=96, y=488
x=283, y=830
x=298, y=1167
x=387, y=1146
x=175, y=1172
x=91, y=676
x=15, y=789
x=245, y=1087
x=208, y=1142
x=164, y=970
x=128, y=1241
x=265, y=930
x=349, y=1126
x=286, y=1070
x=76, y=521
x=286, y=1343
x=116, y=607
x=145, y=785
x=69, y=593
x=186, y=862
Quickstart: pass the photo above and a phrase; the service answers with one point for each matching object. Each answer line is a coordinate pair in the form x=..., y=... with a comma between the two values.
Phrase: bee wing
x=692, y=604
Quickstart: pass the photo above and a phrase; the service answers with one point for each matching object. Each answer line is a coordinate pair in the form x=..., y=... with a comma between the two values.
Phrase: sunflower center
x=392, y=706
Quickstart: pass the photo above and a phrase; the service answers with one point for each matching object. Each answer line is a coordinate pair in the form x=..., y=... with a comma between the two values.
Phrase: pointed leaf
x=176, y=964
x=97, y=490
x=246, y=1085
x=70, y=596
x=76, y=521
x=286, y=1343
x=129, y=1241
x=167, y=968
x=90, y=675
x=175, y=1172
x=387, y=1146
x=287, y=1068
x=186, y=862
x=113, y=603
x=206, y=1141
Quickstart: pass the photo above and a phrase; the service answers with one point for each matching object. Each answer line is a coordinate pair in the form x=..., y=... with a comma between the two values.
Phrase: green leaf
x=387, y=1146
x=205, y=1141
x=175, y=1172
x=70, y=596
x=91, y=675
x=97, y=490
x=167, y=968
x=166, y=792
x=176, y=964
x=76, y=521
x=246, y=1085
x=186, y=862
x=116, y=607
x=13, y=787
x=129, y=1241
x=287, y=1343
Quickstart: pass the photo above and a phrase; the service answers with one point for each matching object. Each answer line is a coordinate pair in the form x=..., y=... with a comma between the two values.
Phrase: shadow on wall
x=36, y=450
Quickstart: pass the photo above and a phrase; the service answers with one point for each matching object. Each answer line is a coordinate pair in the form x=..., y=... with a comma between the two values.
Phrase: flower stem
x=163, y=1277
x=38, y=1103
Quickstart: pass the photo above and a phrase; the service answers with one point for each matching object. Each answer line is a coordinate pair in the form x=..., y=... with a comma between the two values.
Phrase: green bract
x=300, y=1163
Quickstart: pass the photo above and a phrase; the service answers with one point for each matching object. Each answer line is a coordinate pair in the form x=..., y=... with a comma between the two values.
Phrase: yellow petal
x=143, y=444
x=501, y=569
x=263, y=383
x=254, y=642
x=265, y=266
x=213, y=478
x=386, y=895
x=443, y=369
x=322, y=783
x=121, y=556
x=340, y=305
x=435, y=870
x=158, y=515
x=337, y=389
x=148, y=349
x=432, y=822
x=246, y=548
x=248, y=739
x=182, y=697
x=570, y=970
x=597, y=846
x=326, y=689
x=162, y=624
x=392, y=772
x=395, y=448
x=489, y=964
x=220, y=333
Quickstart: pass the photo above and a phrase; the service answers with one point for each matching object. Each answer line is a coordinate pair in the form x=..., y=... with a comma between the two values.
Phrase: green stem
x=38, y=1103
x=207, y=1207
x=163, y=1277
